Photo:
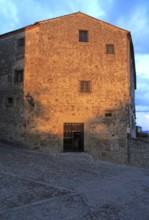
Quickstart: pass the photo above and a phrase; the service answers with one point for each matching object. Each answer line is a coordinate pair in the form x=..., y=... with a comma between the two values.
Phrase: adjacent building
x=68, y=84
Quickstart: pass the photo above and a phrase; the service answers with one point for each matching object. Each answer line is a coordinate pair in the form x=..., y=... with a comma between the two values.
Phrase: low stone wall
x=139, y=152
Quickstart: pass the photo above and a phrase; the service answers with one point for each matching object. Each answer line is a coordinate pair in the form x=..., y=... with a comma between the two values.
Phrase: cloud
x=143, y=120
x=8, y=9
x=93, y=8
x=137, y=22
x=147, y=116
x=16, y=14
x=9, y=15
x=62, y=7
x=142, y=92
x=142, y=65
x=136, y=19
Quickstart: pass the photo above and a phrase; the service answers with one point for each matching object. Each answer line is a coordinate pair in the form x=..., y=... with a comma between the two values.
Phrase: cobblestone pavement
x=69, y=186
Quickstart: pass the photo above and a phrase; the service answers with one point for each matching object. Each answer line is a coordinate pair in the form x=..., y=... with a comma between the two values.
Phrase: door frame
x=69, y=138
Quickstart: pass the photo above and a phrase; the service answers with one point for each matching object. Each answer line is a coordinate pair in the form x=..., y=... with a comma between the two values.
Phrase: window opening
x=21, y=42
x=83, y=36
x=19, y=75
x=110, y=48
x=108, y=114
x=85, y=86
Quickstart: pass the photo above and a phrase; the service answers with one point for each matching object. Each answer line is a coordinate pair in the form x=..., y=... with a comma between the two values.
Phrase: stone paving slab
x=69, y=186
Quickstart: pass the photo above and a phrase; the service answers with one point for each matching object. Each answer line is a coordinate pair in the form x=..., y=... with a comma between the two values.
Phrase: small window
x=19, y=75
x=108, y=114
x=110, y=48
x=9, y=102
x=21, y=42
x=83, y=36
x=85, y=86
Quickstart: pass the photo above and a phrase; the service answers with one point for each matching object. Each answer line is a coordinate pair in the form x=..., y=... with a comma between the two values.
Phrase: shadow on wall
x=40, y=125
x=104, y=136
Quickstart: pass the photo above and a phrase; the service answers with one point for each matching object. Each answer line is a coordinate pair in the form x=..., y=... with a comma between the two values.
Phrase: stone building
x=68, y=84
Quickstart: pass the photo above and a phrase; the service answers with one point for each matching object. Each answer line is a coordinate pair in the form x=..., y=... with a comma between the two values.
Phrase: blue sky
x=132, y=15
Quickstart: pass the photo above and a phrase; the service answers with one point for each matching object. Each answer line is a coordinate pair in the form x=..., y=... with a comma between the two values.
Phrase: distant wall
x=139, y=152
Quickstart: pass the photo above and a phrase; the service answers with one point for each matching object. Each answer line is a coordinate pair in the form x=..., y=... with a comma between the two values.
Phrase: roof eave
x=18, y=31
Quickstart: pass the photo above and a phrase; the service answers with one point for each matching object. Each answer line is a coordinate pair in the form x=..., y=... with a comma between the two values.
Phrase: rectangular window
x=21, y=42
x=9, y=102
x=83, y=36
x=19, y=75
x=110, y=48
x=108, y=114
x=20, y=48
x=85, y=86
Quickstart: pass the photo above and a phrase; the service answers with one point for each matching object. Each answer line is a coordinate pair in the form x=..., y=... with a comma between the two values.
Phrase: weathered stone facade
x=139, y=152
x=46, y=107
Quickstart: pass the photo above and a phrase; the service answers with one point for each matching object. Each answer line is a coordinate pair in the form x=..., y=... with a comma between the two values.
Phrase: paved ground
x=37, y=186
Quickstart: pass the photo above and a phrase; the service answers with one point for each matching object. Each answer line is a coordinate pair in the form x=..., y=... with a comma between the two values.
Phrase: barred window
x=83, y=36
x=19, y=75
x=110, y=48
x=85, y=86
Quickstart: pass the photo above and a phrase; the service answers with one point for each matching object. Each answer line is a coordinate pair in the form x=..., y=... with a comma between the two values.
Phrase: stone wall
x=55, y=63
x=139, y=152
x=11, y=92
